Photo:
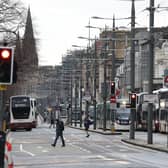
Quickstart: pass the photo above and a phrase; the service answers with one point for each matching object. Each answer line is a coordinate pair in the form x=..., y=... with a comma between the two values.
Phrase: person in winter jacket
x=87, y=123
x=59, y=132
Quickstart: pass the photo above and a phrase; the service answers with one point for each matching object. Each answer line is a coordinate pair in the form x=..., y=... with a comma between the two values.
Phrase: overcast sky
x=58, y=23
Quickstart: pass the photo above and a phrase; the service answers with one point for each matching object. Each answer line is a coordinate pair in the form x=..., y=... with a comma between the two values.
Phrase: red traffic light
x=5, y=54
x=133, y=96
x=133, y=100
x=6, y=65
x=112, y=88
x=113, y=83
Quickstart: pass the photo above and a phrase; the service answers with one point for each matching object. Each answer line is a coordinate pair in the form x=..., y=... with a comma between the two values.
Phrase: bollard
x=112, y=128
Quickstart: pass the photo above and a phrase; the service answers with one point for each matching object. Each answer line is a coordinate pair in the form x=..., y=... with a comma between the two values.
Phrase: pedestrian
x=87, y=123
x=52, y=119
x=59, y=132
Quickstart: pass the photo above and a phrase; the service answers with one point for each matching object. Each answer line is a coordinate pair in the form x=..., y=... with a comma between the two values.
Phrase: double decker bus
x=143, y=100
x=163, y=109
x=23, y=114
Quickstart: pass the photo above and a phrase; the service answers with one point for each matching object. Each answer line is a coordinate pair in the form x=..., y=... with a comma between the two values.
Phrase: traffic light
x=113, y=88
x=133, y=100
x=6, y=65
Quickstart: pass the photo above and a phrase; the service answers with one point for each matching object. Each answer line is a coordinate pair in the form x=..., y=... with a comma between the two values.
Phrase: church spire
x=29, y=44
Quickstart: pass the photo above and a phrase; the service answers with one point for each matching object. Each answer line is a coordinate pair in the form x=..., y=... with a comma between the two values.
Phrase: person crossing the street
x=59, y=132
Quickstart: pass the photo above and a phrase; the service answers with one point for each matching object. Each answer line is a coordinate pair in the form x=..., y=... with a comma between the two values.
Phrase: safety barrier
x=8, y=152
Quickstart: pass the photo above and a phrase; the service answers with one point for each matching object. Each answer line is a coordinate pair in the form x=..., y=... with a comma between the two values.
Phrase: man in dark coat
x=87, y=123
x=59, y=132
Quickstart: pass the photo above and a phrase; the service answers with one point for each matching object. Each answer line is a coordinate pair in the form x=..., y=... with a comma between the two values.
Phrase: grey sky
x=58, y=23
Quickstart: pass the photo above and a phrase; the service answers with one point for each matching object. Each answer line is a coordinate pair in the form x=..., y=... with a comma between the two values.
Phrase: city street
x=33, y=149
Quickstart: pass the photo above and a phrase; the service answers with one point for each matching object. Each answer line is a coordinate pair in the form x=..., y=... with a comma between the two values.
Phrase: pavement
x=159, y=141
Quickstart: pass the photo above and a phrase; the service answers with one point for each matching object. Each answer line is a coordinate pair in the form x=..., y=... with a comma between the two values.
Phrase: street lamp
x=113, y=40
x=94, y=82
x=81, y=87
x=105, y=18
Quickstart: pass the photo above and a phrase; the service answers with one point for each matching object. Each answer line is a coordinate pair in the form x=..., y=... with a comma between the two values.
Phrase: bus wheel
x=28, y=129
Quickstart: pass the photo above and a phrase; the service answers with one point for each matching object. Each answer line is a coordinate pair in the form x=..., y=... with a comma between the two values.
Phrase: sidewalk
x=99, y=131
x=160, y=141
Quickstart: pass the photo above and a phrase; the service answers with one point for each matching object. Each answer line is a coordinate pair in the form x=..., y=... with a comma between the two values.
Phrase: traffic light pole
x=104, y=96
x=1, y=110
x=132, y=72
x=151, y=61
x=94, y=100
x=81, y=90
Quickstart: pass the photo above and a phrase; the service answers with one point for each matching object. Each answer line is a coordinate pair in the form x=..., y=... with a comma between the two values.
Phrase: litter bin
x=2, y=148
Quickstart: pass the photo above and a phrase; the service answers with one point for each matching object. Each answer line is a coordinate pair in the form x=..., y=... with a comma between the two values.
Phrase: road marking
x=104, y=158
x=123, y=150
x=22, y=150
x=44, y=151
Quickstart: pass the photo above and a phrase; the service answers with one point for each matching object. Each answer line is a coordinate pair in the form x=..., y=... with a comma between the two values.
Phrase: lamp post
x=113, y=40
x=94, y=82
x=151, y=65
x=81, y=84
x=113, y=73
x=104, y=54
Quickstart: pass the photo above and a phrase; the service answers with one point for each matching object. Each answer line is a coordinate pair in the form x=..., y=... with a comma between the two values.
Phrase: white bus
x=163, y=109
x=143, y=99
x=122, y=115
x=22, y=112
x=33, y=102
x=118, y=115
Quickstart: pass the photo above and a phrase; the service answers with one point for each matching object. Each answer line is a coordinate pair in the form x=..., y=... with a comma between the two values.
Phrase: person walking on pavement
x=87, y=123
x=59, y=132
x=52, y=119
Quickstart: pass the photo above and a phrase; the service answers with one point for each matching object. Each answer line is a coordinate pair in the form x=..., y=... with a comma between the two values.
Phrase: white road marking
x=104, y=158
x=22, y=150
x=44, y=151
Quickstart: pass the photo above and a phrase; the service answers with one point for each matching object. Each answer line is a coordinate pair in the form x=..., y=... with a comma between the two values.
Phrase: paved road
x=33, y=149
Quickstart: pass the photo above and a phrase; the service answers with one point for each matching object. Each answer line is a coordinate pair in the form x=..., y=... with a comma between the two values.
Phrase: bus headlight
x=118, y=121
x=162, y=104
x=156, y=121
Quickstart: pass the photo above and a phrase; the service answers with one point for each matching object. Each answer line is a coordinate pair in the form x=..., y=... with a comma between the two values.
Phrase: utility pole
x=151, y=68
x=132, y=72
x=94, y=99
x=81, y=86
x=105, y=85
x=71, y=96
x=113, y=50
x=76, y=95
x=87, y=93
x=113, y=69
x=1, y=110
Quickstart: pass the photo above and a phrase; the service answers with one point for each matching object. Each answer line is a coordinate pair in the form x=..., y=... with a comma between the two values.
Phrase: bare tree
x=12, y=17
